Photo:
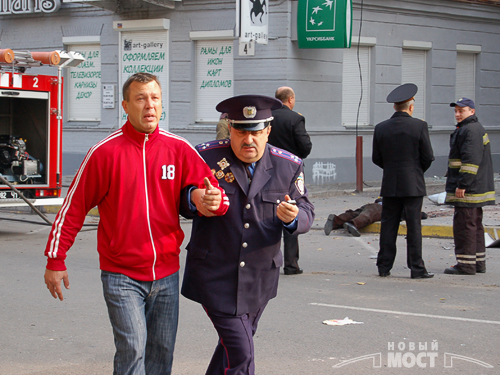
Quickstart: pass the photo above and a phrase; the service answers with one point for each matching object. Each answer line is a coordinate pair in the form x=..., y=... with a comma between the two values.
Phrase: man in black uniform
x=469, y=187
x=289, y=133
x=402, y=148
x=232, y=265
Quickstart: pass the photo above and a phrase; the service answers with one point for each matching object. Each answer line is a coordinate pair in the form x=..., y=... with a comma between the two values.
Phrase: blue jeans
x=144, y=316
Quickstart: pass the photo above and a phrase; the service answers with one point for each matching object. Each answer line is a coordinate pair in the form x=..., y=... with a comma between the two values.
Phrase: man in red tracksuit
x=137, y=177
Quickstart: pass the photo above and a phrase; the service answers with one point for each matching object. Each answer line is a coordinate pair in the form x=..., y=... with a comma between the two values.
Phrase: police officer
x=402, y=148
x=232, y=265
x=289, y=133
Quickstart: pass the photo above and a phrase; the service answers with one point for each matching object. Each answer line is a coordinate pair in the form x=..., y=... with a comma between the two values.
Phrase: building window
x=214, y=77
x=352, y=86
x=414, y=71
x=84, y=84
x=143, y=47
x=465, y=81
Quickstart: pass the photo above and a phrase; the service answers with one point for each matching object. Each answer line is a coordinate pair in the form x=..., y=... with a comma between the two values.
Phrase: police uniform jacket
x=289, y=132
x=402, y=148
x=470, y=166
x=233, y=261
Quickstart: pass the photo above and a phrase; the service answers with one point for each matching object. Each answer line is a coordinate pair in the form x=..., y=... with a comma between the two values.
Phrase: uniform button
x=278, y=201
x=245, y=244
x=242, y=264
x=247, y=225
x=248, y=206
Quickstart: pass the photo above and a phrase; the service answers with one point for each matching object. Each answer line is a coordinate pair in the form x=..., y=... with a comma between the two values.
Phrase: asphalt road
x=444, y=325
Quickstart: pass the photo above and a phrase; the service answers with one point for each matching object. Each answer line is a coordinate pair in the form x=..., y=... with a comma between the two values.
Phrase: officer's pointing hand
x=287, y=212
x=208, y=185
x=208, y=199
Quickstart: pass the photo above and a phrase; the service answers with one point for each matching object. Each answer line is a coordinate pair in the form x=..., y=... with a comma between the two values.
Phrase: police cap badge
x=249, y=112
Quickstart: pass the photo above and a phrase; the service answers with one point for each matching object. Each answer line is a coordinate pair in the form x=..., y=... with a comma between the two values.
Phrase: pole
x=359, y=164
x=2, y=179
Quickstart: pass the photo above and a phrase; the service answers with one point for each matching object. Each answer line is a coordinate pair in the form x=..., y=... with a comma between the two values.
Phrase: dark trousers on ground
x=361, y=217
x=468, y=233
x=392, y=209
x=234, y=354
x=291, y=251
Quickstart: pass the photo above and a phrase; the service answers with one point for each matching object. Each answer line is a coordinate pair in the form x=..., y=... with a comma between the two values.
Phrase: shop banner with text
x=254, y=21
x=324, y=23
x=146, y=51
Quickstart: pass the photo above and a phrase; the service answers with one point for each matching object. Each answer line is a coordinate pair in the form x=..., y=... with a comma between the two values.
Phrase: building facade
x=448, y=48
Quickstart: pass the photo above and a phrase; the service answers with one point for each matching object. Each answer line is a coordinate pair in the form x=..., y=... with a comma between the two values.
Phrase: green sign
x=324, y=23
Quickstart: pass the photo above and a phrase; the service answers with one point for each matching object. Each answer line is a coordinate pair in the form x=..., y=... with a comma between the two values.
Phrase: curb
x=436, y=231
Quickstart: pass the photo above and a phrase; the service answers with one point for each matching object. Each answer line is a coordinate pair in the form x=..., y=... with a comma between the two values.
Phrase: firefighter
x=469, y=187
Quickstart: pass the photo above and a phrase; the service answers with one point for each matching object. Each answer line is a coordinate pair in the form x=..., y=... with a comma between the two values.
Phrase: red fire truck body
x=30, y=135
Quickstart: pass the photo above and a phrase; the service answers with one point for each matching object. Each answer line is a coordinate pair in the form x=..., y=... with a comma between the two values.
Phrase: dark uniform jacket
x=402, y=148
x=233, y=261
x=289, y=132
x=470, y=166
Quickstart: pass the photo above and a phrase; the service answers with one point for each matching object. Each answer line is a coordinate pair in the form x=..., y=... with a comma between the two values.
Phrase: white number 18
x=168, y=172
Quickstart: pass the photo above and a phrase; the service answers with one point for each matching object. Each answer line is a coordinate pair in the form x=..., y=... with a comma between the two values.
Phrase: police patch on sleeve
x=299, y=183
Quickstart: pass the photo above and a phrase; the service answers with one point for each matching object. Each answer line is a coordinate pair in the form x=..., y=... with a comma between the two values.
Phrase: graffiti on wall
x=324, y=173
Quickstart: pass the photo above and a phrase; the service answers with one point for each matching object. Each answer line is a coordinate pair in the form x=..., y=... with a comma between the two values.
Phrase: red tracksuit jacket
x=135, y=180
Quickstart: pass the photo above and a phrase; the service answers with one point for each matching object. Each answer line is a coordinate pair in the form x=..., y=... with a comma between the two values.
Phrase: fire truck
x=31, y=126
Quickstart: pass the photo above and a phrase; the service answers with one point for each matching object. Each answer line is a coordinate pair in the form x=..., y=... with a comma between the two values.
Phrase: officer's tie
x=249, y=169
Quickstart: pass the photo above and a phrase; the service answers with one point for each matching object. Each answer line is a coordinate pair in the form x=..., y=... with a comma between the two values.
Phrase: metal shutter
x=413, y=71
x=351, y=86
x=145, y=51
x=465, y=85
x=84, y=85
x=214, y=77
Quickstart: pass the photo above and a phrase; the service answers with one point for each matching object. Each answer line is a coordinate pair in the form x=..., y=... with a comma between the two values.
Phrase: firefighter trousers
x=468, y=233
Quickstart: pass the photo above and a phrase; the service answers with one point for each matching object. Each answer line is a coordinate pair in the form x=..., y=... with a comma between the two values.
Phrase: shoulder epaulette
x=285, y=155
x=221, y=143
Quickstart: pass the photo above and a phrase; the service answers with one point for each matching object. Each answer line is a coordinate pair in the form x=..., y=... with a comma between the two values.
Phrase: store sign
x=108, y=96
x=84, y=90
x=324, y=23
x=29, y=6
x=254, y=15
x=214, y=76
x=146, y=51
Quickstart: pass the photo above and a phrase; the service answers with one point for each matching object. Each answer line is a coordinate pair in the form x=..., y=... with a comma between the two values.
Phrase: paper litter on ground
x=340, y=322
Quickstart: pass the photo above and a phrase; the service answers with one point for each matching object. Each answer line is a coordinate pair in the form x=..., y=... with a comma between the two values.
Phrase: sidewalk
x=336, y=198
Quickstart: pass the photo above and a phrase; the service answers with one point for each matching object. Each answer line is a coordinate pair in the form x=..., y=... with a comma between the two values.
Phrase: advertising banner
x=84, y=88
x=324, y=23
x=214, y=77
x=145, y=51
x=254, y=21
